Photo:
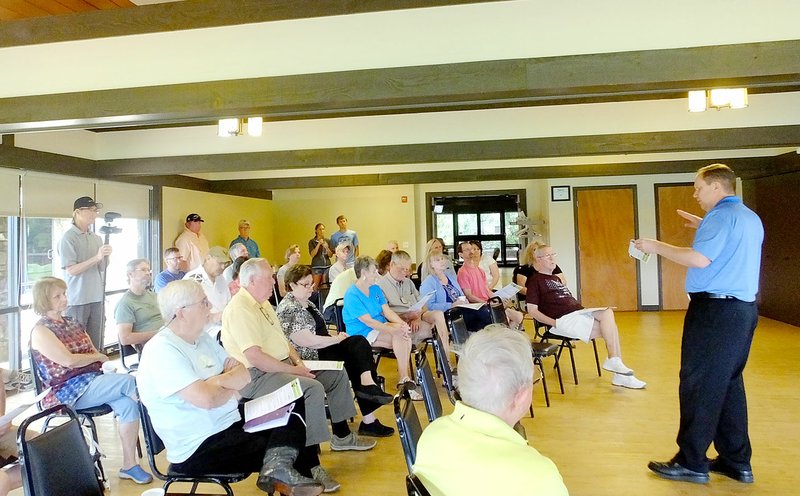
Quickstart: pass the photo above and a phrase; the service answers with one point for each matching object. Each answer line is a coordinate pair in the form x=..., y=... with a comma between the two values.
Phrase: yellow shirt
x=470, y=452
x=246, y=323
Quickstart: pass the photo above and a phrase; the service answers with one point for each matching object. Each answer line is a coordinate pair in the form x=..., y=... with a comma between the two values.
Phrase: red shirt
x=474, y=279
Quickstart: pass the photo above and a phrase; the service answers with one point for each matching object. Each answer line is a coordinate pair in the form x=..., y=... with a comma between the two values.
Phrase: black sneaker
x=374, y=393
x=375, y=429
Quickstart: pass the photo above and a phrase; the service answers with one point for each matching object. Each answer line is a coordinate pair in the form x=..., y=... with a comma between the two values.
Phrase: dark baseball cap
x=85, y=202
x=194, y=218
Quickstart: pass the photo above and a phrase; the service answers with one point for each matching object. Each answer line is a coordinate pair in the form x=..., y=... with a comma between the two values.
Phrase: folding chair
x=543, y=332
x=408, y=426
x=430, y=394
x=457, y=327
x=447, y=373
x=156, y=446
x=498, y=311
x=85, y=417
x=414, y=486
x=57, y=462
x=127, y=350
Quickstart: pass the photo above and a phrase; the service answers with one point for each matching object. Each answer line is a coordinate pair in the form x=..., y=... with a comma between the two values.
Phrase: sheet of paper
x=268, y=403
x=421, y=302
x=474, y=306
x=508, y=292
x=16, y=412
x=637, y=253
x=323, y=364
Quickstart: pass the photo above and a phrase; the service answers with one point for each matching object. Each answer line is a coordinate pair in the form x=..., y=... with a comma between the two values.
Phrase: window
x=41, y=258
x=490, y=219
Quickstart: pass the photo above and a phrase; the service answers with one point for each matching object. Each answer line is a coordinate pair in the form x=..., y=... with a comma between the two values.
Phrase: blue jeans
x=115, y=390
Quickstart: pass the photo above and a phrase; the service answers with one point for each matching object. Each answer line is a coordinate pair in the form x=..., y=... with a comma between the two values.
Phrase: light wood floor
x=599, y=436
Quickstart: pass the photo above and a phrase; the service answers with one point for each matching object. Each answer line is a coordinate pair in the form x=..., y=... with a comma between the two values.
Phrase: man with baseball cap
x=84, y=258
x=245, y=239
x=191, y=243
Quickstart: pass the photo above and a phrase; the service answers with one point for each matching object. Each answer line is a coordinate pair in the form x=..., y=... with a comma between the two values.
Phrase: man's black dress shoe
x=674, y=471
x=720, y=467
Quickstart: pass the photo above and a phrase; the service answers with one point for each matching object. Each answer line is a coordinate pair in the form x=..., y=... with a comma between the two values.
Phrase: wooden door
x=605, y=220
x=671, y=229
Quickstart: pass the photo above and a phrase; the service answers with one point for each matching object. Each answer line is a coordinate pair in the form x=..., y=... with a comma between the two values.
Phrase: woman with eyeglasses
x=525, y=268
x=66, y=361
x=305, y=327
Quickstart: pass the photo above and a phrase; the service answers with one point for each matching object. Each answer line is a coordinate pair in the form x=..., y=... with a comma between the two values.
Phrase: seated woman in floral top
x=305, y=327
x=68, y=363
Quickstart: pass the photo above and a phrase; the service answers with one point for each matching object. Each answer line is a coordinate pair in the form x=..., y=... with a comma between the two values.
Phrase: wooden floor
x=599, y=436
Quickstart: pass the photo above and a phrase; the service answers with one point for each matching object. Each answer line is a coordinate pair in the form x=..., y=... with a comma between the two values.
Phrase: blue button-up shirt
x=252, y=246
x=730, y=235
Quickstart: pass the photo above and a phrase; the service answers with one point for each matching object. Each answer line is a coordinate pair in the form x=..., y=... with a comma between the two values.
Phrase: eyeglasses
x=204, y=302
x=549, y=255
x=90, y=209
x=306, y=285
x=173, y=258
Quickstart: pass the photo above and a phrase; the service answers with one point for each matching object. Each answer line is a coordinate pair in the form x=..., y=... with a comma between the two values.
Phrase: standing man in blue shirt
x=347, y=236
x=722, y=281
x=245, y=239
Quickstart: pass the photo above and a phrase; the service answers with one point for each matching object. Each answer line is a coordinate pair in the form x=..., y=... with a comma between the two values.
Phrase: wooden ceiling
x=24, y=9
x=626, y=92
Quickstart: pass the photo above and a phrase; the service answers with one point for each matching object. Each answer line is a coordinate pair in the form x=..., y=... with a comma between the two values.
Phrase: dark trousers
x=477, y=319
x=356, y=353
x=234, y=451
x=716, y=343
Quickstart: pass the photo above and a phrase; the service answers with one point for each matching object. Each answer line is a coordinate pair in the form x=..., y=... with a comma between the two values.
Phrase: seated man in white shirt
x=209, y=275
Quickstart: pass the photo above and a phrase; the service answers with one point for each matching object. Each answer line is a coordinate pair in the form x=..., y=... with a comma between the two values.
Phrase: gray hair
x=496, y=363
x=252, y=268
x=177, y=295
x=401, y=256
x=130, y=267
x=237, y=250
x=363, y=263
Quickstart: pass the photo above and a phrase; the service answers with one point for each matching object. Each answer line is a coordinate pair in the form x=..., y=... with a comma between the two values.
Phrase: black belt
x=703, y=295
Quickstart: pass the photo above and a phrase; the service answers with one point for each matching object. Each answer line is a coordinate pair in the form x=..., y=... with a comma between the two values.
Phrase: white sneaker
x=628, y=381
x=615, y=365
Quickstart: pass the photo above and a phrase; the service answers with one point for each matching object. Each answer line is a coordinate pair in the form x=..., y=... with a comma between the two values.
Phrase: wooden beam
x=12, y=157
x=196, y=14
x=470, y=151
x=762, y=67
x=744, y=167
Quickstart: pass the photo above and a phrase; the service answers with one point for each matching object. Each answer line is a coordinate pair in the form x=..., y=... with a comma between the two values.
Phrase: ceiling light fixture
x=701, y=100
x=235, y=127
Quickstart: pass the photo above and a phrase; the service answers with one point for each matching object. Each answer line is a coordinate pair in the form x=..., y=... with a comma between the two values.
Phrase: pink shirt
x=474, y=279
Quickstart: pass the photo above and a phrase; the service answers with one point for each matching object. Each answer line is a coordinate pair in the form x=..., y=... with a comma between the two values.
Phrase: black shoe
x=720, y=467
x=674, y=471
x=375, y=429
x=374, y=394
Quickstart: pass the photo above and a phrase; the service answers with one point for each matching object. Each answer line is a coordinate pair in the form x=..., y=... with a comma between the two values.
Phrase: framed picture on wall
x=559, y=193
